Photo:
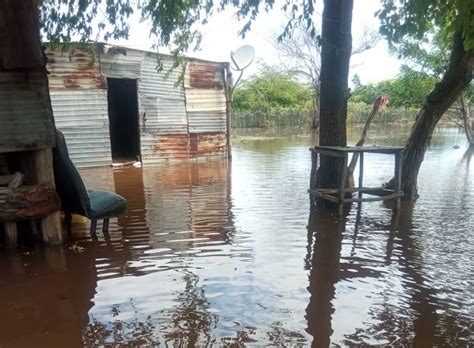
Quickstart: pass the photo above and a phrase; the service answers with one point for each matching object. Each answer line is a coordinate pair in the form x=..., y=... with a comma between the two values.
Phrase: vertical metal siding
x=162, y=110
x=79, y=100
x=121, y=63
x=82, y=115
x=166, y=104
x=206, y=108
x=205, y=97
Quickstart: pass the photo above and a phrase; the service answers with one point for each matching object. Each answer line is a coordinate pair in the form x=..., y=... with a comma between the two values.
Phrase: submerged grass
x=357, y=113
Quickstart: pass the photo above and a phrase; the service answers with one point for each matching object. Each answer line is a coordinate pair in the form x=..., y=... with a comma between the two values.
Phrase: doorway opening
x=122, y=98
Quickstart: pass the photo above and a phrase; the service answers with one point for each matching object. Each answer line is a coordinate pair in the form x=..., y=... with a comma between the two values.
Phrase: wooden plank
x=355, y=189
x=323, y=195
x=374, y=199
x=327, y=152
x=39, y=166
x=11, y=234
x=27, y=202
x=50, y=225
x=367, y=149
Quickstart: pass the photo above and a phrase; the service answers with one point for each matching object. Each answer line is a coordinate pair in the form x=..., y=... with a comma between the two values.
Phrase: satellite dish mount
x=241, y=59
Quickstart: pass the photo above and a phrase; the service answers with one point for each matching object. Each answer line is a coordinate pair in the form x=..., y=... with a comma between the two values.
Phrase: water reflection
x=402, y=309
x=213, y=254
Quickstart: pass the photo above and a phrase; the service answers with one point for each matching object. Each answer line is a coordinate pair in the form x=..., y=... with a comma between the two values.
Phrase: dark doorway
x=122, y=98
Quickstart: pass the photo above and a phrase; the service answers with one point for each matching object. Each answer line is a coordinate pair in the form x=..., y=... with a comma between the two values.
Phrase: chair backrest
x=69, y=185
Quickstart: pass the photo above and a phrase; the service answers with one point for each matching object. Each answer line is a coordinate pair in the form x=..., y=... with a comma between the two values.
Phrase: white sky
x=220, y=36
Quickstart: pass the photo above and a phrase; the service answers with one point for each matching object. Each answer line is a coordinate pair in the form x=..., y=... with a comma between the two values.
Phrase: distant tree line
x=276, y=98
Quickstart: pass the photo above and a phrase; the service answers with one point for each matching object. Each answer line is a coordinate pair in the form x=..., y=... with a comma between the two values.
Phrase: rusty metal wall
x=162, y=111
x=177, y=120
x=79, y=99
x=205, y=97
x=121, y=63
x=25, y=120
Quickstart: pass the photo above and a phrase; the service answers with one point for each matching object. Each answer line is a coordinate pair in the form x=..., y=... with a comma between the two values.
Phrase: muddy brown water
x=216, y=253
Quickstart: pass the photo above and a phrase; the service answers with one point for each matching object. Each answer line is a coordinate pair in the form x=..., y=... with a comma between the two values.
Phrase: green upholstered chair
x=74, y=196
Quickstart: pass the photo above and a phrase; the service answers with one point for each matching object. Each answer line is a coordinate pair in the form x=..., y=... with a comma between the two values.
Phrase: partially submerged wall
x=182, y=114
x=79, y=99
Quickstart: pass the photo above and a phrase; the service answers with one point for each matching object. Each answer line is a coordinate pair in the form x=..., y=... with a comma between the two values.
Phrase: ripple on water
x=219, y=252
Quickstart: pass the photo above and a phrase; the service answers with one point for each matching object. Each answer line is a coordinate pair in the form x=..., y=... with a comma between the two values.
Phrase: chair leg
x=68, y=221
x=105, y=225
x=93, y=227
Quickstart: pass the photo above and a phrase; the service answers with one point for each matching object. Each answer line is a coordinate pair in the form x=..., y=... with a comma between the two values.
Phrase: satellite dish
x=243, y=57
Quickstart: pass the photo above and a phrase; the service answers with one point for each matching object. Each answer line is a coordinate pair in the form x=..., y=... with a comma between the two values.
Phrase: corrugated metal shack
x=113, y=104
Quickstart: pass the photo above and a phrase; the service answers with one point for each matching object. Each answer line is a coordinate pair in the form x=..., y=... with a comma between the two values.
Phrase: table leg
x=342, y=185
x=361, y=172
x=398, y=178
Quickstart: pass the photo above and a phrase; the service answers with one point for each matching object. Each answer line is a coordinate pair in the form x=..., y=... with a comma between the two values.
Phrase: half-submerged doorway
x=122, y=98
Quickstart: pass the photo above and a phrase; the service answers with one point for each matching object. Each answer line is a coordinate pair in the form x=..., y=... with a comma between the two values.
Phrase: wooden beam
x=323, y=195
x=327, y=152
x=27, y=202
x=51, y=224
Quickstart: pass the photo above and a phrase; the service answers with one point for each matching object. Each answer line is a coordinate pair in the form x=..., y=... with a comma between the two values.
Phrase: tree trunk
x=336, y=41
x=315, y=110
x=454, y=81
x=466, y=115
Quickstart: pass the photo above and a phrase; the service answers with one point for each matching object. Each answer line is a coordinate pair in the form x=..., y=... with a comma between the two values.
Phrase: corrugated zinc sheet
x=121, y=63
x=205, y=97
x=25, y=119
x=204, y=75
x=74, y=70
x=206, y=110
x=79, y=100
x=82, y=115
x=207, y=144
x=162, y=110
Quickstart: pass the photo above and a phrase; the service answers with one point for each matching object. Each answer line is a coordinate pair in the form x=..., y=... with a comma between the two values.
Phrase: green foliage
x=269, y=91
x=408, y=23
x=357, y=112
x=270, y=99
x=408, y=90
x=173, y=22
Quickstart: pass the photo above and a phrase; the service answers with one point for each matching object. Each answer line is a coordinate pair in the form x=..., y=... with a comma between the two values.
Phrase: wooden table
x=337, y=195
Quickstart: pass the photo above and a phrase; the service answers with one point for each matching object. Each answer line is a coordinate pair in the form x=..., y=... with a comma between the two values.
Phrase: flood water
x=227, y=253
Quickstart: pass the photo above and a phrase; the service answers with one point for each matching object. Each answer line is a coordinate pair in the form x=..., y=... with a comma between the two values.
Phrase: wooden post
x=39, y=170
x=342, y=185
x=11, y=234
x=398, y=177
x=361, y=172
x=312, y=179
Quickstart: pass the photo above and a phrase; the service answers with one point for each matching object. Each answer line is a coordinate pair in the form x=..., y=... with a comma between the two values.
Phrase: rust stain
x=204, y=76
x=182, y=146
x=79, y=71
